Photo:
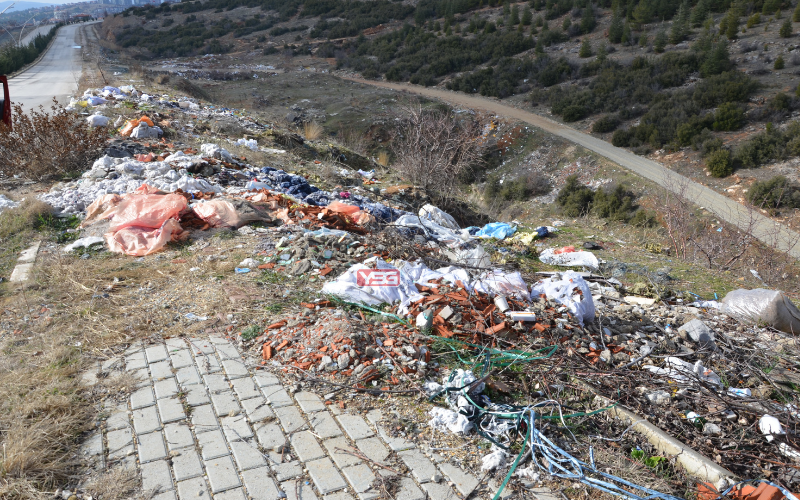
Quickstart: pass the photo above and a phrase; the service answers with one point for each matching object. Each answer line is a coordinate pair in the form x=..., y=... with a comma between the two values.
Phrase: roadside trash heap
x=693, y=368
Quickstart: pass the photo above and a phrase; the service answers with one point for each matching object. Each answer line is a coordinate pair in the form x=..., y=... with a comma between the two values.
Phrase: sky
x=26, y=4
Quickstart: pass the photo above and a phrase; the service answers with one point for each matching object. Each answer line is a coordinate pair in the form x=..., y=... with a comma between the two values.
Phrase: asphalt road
x=765, y=229
x=56, y=74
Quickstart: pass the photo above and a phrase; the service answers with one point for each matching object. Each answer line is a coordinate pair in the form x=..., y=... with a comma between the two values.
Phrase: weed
x=312, y=131
x=44, y=145
x=274, y=308
x=251, y=332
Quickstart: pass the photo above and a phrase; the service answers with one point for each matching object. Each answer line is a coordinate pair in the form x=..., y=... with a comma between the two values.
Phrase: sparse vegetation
x=617, y=204
x=45, y=145
x=774, y=193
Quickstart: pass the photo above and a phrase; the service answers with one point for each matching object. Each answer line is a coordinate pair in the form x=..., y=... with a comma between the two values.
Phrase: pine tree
x=786, y=29
x=566, y=24
x=779, y=63
x=732, y=24
x=616, y=29
x=602, y=52
x=680, y=25
x=699, y=13
x=586, y=49
x=515, y=15
x=588, y=21
x=527, y=16
x=796, y=15
x=659, y=42
x=626, y=34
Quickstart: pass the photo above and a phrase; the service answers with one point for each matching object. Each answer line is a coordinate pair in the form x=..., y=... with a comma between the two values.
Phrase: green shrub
x=786, y=29
x=781, y=102
x=574, y=198
x=616, y=204
x=605, y=124
x=643, y=218
x=574, y=113
x=774, y=193
x=586, y=49
x=779, y=63
x=521, y=189
x=753, y=20
x=729, y=116
x=660, y=42
x=719, y=163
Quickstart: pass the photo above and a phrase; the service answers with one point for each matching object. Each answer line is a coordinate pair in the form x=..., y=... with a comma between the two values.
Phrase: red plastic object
x=6, y=103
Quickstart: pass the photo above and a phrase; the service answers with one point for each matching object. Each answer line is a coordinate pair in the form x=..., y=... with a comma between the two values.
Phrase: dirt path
x=765, y=229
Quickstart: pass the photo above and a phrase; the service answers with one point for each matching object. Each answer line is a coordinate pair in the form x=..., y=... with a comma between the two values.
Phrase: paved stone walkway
x=202, y=424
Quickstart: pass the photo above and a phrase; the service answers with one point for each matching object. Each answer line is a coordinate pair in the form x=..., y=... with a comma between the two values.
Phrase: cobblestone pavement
x=202, y=424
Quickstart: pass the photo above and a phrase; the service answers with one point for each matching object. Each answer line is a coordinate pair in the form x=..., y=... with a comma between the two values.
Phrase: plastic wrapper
x=140, y=241
x=762, y=307
x=571, y=291
x=565, y=257
x=100, y=206
x=502, y=283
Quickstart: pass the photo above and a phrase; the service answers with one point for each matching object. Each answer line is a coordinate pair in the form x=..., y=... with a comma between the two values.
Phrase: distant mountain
x=22, y=5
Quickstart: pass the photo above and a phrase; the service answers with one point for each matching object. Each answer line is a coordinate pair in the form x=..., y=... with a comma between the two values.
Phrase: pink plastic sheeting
x=218, y=213
x=140, y=241
x=147, y=210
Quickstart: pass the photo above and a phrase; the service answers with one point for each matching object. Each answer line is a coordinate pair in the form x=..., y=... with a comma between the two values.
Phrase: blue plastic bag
x=498, y=230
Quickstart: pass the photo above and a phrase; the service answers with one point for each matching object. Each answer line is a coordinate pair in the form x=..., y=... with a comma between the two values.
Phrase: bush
x=779, y=63
x=574, y=198
x=729, y=116
x=719, y=163
x=774, y=193
x=781, y=102
x=574, y=113
x=606, y=124
x=535, y=184
x=586, y=49
x=616, y=204
x=46, y=145
x=786, y=29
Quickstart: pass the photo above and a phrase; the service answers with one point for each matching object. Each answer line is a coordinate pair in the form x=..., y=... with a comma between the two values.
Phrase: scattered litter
x=568, y=256
x=7, y=203
x=85, y=242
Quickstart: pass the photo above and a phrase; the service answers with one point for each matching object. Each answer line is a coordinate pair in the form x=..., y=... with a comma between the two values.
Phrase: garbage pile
x=403, y=292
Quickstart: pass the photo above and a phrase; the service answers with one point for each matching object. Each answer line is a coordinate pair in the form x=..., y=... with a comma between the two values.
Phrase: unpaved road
x=765, y=229
x=55, y=74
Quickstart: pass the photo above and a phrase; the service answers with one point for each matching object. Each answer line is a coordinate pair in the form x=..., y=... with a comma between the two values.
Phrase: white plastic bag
x=761, y=306
x=502, y=283
x=571, y=259
x=435, y=214
x=566, y=292
x=248, y=143
x=97, y=121
x=474, y=257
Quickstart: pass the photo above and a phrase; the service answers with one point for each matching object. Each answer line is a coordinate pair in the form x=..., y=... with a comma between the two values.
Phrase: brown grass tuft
x=312, y=131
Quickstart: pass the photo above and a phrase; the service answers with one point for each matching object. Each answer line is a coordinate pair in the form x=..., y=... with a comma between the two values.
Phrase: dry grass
x=44, y=144
x=383, y=158
x=116, y=484
x=312, y=131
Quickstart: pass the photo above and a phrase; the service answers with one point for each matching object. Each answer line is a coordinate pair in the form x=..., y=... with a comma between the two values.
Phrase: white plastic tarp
x=571, y=291
x=440, y=217
x=346, y=286
x=431, y=229
x=501, y=283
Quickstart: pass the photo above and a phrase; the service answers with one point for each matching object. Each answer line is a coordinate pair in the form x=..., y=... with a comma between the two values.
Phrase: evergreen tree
x=588, y=21
x=515, y=15
x=643, y=13
x=779, y=63
x=699, y=13
x=659, y=42
x=586, y=49
x=626, y=34
x=643, y=40
x=786, y=29
x=732, y=24
x=566, y=24
x=527, y=16
x=616, y=29
x=796, y=15
x=680, y=25
x=602, y=52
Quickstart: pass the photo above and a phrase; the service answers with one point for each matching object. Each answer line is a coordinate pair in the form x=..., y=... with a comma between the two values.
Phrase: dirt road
x=765, y=229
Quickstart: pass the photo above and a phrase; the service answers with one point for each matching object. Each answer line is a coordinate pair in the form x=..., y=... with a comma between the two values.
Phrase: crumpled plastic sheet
x=503, y=283
x=681, y=371
x=6, y=203
x=448, y=420
x=146, y=210
x=761, y=306
x=97, y=121
x=565, y=292
x=248, y=143
x=571, y=259
x=141, y=241
x=220, y=212
x=494, y=460
x=346, y=287
x=430, y=229
x=86, y=242
x=474, y=257
x=434, y=214
x=498, y=230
